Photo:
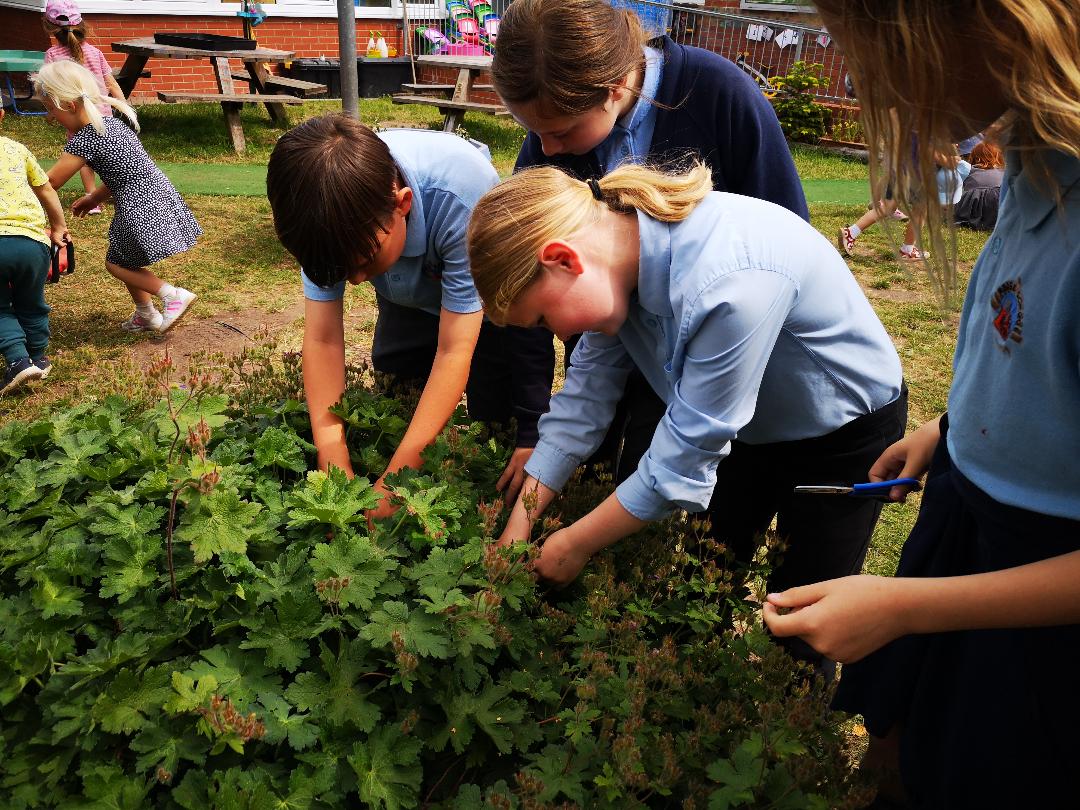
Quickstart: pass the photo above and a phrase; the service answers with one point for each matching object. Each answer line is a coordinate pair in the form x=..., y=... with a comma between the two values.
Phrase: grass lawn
x=244, y=278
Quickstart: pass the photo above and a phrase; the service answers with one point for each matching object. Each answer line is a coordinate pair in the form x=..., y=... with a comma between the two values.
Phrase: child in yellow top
x=24, y=262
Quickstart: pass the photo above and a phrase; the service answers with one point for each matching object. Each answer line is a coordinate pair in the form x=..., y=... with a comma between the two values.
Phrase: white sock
x=906, y=248
x=854, y=230
x=166, y=290
x=146, y=310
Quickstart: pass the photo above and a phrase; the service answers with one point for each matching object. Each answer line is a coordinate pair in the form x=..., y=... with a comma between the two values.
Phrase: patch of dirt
x=230, y=332
x=226, y=332
x=894, y=294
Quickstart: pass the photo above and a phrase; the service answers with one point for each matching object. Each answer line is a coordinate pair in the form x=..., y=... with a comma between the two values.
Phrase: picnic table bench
x=139, y=51
x=454, y=107
x=285, y=84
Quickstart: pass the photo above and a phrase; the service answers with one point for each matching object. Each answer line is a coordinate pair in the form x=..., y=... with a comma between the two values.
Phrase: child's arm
x=908, y=458
x=49, y=200
x=86, y=203
x=112, y=86
x=324, y=380
x=565, y=552
x=442, y=391
x=847, y=619
x=64, y=169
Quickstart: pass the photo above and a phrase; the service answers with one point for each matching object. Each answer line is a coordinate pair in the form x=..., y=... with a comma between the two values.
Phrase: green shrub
x=847, y=129
x=801, y=118
x=190, y=619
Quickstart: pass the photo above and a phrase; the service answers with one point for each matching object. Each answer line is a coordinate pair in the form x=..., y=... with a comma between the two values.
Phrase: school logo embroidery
x=1007, y=304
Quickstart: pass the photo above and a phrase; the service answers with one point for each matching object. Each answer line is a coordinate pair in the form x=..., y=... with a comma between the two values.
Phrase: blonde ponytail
x=67, y=82
x=513, y=220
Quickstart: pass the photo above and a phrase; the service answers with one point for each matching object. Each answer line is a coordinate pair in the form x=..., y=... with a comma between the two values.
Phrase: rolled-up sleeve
x=313, y=292
x=731, y=331
x=582, y=410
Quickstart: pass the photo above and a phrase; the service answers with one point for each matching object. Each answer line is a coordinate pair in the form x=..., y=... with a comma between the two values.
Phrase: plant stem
x=169, y=544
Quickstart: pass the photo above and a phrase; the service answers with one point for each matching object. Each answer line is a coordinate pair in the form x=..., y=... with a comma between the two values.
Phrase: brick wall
x=306, y=36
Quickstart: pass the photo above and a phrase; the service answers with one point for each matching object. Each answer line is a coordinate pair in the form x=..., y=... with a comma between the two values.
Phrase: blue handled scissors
x=876, y=489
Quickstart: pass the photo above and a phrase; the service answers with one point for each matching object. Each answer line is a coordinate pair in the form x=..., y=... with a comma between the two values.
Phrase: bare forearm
x=1035, y=595
x=522, y=517
x=324, y=383
x=50, y=201
x=606, y=524
x=441, y=395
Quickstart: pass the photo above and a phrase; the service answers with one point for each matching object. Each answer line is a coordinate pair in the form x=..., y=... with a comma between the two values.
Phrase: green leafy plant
x=846, y=129
x=292, y=656
x=801, y=117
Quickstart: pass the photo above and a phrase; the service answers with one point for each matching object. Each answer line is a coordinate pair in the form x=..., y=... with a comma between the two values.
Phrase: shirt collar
x=416, y=224
x=1032, y=199
x=650, y=84
x=654, y=266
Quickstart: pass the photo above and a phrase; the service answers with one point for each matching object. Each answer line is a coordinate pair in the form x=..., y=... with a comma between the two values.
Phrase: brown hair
x=566, y=55
x=901, y=54
x=986, y=156
x=331, y=184
x=71, y=37
x=512, y=221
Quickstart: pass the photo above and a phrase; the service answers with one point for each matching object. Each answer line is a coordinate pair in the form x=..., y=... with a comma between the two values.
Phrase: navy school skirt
x=988, y=718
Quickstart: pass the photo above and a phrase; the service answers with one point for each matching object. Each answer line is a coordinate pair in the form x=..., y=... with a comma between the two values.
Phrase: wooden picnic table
x=454, y=107
x=260, y=80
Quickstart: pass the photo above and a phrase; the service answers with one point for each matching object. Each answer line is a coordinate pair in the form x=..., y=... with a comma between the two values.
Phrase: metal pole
x=350, y=85
x=406, y=38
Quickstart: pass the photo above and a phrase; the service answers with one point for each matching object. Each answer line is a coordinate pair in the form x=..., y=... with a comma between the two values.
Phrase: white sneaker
x=137, y=323
x=174, y=306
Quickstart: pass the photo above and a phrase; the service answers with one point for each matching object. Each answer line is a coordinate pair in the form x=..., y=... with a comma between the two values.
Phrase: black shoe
x=44, y=364
x=19, y=372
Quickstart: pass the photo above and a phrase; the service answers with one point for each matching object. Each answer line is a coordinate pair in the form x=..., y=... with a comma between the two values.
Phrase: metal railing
x=764, y=48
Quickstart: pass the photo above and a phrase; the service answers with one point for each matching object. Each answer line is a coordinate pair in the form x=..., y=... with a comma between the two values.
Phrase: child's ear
x=557, y=255
x=403, y=198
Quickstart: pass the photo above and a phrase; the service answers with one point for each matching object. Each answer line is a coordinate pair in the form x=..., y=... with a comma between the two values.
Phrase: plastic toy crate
x=655, y=18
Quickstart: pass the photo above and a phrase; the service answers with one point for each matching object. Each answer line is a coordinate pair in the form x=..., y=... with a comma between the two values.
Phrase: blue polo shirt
x=447, y=175
x=631, y=138
x=747, y=323
x=1014, y=405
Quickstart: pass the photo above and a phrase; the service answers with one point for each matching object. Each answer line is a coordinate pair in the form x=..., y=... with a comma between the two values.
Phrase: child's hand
x=81, y=207
x=514, y=474
x=59, y=235
x=844, y=619
x=908, y=458
x=561, y=559
x=385, y=509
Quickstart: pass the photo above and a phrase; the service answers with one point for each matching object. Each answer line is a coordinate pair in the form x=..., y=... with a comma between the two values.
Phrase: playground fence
x=767, y=47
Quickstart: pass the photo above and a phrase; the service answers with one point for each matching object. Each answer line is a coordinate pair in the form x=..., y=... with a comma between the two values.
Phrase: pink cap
x=62, y=12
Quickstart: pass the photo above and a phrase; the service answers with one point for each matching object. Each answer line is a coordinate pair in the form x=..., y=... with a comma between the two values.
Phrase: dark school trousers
x=826, y=535
x=24, y=315
x=406, y=340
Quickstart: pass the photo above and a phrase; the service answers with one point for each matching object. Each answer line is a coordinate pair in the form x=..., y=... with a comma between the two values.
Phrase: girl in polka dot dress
x=151, y=221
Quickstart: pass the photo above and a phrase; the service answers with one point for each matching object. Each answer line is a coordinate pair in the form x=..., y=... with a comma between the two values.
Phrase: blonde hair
x=67, y=82
x=899, y=53
x=513, y=221
x=566, y=55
